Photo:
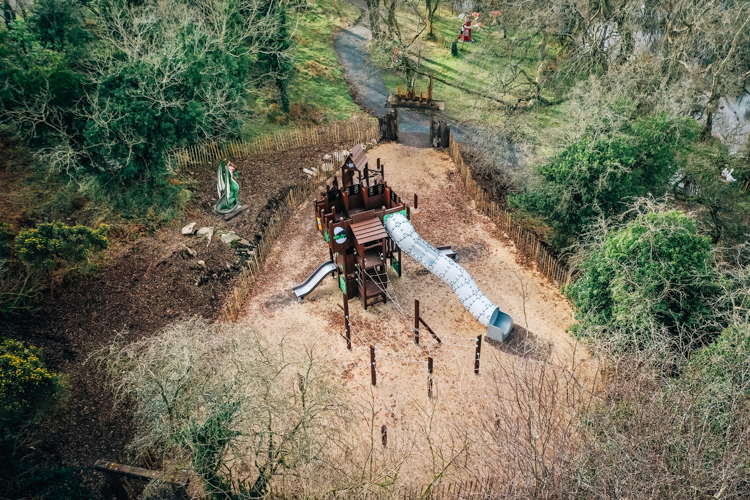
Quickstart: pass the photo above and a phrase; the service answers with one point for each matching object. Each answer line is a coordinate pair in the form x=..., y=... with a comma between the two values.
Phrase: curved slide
x=314, y=280
x=488, y=314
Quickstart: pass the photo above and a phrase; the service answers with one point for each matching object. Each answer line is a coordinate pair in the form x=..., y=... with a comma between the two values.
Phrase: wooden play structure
x=366, y=225
x=350, y=218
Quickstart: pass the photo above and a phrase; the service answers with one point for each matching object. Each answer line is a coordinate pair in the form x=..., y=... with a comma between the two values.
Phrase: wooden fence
x=526, y=242
x=347, y=134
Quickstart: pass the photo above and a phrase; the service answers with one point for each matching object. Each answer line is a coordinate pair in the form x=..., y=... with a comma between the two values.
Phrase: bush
x=595, y=178
x=46, y=245
x=26, y=386
x=648, y=286
x=675, y=438
x=231, y=406
x=721, y=375
x=721, y=206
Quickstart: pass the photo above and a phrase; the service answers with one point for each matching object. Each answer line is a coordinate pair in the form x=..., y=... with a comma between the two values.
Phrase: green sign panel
x=385, y=217
x=342, y=283
x=396, y=265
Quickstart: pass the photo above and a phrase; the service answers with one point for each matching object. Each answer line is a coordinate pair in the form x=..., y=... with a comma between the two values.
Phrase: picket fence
x=484, y=489
x=526, y=242
x=346, y=134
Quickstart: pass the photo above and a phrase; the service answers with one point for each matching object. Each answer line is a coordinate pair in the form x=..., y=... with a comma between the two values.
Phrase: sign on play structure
x=339, y=234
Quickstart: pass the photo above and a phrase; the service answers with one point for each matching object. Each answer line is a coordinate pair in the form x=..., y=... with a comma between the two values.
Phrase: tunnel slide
x=488, y=314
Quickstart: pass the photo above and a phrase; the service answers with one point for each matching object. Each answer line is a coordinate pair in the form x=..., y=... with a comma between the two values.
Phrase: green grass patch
x=317, y=89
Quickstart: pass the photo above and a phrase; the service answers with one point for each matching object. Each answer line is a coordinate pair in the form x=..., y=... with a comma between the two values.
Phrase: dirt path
x=445, y=217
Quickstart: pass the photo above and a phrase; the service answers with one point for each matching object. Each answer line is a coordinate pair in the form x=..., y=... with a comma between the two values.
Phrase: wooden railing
x=526, y=242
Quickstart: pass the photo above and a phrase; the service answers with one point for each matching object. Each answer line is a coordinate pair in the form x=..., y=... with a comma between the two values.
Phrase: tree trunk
x=542, y=64
x=713, y=100
x=283, y=85
x=431, y=6
x=393, y=30
x=627, y=44
x=373, y=7
x=707, y=128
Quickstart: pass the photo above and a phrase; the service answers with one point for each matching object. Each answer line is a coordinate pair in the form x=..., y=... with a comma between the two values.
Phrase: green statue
x=229, y=191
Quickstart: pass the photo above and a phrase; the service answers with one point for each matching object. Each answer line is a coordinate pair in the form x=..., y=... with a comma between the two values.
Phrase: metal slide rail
x=498, y=323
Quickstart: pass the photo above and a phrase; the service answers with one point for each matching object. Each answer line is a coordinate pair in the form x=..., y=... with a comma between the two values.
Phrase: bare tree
x=431, y=7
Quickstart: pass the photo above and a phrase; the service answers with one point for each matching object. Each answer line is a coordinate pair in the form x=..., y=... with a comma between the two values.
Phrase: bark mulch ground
x=143, y=286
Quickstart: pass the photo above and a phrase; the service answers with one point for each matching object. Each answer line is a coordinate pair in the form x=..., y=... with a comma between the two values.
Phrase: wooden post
x=479, y=352
x=372, y=366
x=117, y=488
x=416, y=321
x=429, y=377
x=384, y=435
x=432, y=127
x=346, y=320
x=416, y=201
x=395, y=122
x=400, y=263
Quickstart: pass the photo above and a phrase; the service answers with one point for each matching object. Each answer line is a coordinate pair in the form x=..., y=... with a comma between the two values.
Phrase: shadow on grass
x=524, y=344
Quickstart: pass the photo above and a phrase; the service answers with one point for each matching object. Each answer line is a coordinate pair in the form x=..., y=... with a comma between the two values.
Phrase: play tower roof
x=356, y=159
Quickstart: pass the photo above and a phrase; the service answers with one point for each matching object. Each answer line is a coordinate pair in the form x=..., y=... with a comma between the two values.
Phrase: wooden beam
x=175, y=478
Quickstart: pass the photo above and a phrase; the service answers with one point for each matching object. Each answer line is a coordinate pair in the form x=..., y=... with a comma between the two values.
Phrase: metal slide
x=314, y=280
x=406, y=237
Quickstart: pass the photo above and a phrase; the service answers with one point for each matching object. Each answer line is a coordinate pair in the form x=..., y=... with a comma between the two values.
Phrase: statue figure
x=226, y=184
x=465, y=34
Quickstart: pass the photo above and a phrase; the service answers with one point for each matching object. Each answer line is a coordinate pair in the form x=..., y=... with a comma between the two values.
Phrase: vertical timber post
x=429, y=377
x=346, y=322
x=372, y=366
x=432, y=127
x=395, y=115
x=416, y=321
x=416, y=201
x=384, y=435
x=479, y=352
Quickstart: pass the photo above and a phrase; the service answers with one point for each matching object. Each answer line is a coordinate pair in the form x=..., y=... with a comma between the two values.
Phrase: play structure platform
x=366, y=226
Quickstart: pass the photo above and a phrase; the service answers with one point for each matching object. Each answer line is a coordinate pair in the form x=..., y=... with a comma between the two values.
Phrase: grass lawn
x=318, y=92
x=491, y=67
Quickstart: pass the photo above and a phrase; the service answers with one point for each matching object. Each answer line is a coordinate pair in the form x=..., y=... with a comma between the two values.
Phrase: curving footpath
x=368, y=87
